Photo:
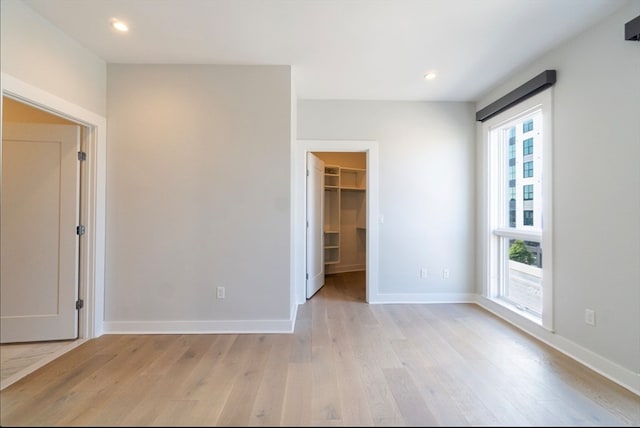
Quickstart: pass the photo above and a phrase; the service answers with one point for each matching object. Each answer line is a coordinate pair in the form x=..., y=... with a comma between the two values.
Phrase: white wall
x=198, y=197
x=426, y=191
x=37, y=52
x=596, y=196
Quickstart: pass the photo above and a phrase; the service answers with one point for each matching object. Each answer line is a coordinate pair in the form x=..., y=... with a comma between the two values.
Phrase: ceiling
x=338, y=49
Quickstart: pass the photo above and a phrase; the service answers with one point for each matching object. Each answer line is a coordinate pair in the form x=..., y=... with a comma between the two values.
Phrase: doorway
x=343, y=217
x=91, y=252
x=40, y=212
x=93, y=194
x=370, y=228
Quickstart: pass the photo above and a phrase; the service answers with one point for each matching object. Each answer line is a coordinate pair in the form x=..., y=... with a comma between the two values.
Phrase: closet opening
x=303, y=248
x=343, y=243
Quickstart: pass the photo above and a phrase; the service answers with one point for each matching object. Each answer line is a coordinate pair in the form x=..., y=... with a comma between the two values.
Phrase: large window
x=519, y=206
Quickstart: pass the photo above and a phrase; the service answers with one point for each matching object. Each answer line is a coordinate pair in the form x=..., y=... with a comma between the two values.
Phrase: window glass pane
x=517, y=207
x=523, y=282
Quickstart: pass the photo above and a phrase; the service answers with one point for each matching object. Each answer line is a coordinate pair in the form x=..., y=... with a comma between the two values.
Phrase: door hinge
x=307, y=224
x=80, y=230
x=307, y=276
x=307, y=173
x=79, y=304
x=82, y=156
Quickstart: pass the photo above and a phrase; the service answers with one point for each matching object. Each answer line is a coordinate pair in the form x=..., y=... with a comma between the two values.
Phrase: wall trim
x=200, y=327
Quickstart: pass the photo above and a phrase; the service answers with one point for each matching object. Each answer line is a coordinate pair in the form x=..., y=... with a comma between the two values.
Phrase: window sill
x=520, y=312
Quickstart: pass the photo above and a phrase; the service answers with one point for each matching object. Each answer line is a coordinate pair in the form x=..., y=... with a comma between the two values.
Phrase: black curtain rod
x=632, y=29
x=521, y=93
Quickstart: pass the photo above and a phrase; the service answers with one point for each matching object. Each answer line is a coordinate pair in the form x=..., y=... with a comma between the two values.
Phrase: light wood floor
x=19, y=359
x=346, y=364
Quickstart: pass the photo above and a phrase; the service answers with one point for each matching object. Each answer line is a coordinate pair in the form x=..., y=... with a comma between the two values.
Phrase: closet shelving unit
x=331, y=214
x=338, y=180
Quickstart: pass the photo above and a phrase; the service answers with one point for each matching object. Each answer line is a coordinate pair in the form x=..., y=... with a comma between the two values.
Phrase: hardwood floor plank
x=347, y=363
x=444, y=408
x=237, y=408
x=50, y=394
x=355, y=408
x=17, y=358
x=296, y=408
x=267, y=408
x=384, y=409
x=412, y=406
x=326, y=408
x=174, y=413
x=198, y=384
x=436, y=357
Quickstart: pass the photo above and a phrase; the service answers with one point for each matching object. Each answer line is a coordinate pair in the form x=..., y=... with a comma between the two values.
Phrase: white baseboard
x=200, y=327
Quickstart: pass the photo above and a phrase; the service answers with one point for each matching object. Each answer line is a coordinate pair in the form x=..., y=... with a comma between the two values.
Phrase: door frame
x=92, y=197
x=299, y=214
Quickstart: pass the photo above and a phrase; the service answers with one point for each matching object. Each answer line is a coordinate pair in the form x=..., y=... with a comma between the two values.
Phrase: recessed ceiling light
x=120, y=26
x=430, y=75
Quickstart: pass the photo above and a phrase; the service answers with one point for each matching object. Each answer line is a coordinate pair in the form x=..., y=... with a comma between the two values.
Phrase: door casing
x=298, y=254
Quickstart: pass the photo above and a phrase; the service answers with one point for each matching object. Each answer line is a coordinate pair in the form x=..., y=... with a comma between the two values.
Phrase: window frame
x=492, y=234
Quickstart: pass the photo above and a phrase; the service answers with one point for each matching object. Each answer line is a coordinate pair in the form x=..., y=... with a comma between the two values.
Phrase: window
x=527, y=169
x=518, y=194
x=527, y=219
x=512, y=151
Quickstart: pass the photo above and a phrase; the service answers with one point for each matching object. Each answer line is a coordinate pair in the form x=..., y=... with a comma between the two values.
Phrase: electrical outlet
x=590, y=317
x=445, y=273
x=220, y=292
x=424, y=273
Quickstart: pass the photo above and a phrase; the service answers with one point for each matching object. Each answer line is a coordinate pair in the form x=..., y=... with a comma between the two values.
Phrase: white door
x=39, y=264
x=315, y=201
